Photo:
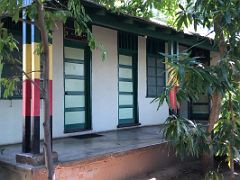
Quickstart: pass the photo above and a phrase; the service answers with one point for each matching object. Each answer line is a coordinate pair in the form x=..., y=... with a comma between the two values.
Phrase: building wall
x=58, y=82
x=104, y=91
x=105, y=81
x=10, y=121
x=148, y=114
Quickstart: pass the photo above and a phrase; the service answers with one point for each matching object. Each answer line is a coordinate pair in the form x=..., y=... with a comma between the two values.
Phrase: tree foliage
x=192, y=78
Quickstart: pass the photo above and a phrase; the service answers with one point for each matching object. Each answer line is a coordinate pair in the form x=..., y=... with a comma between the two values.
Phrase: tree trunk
x=233, y=130
x=207, y=158
x=45, y=58
x=216, y=98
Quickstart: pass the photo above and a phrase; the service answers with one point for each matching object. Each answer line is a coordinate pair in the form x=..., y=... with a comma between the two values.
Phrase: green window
x=155, y=67
x=200, y=109
x=12, y=65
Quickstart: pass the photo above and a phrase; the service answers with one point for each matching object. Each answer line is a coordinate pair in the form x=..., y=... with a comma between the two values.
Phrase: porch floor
x=72, y=148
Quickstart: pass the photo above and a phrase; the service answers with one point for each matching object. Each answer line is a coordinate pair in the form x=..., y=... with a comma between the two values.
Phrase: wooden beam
x=151, y=27
x=100, y=12
x=115, y=22
x=128, y=21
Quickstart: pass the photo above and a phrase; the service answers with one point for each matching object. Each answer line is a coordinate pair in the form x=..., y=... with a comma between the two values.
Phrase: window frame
x=15, y=34
x=155, y=56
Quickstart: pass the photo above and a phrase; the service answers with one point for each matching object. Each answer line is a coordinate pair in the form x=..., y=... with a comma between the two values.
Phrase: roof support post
x=35, y=103
x=26, y=95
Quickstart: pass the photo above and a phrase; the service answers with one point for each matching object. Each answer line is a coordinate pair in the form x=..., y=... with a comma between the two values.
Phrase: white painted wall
x=10, y=121
x=105, y=81
x=104, y=91
x=58, y=82
x=148, y=114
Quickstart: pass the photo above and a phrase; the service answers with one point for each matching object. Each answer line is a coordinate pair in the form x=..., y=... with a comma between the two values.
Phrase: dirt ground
x=181, y=171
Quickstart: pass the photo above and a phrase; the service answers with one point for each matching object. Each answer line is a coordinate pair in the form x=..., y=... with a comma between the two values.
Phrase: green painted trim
x=125, y=66
x=74, y=109
x=111, y=21
x=74, y=93
x=68, y=60
x=125, y=79
x=70, y=128
x=125, y=106
x=125, y=93
x=74, y=77
x=128, y=125
x=127, y=121
x=74, y=43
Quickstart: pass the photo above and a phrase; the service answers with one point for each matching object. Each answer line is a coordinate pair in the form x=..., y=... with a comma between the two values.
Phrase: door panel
x=200, y=109
x=74, y=69
x=126, y=84
x=75, y=74
x=74, y=101
x=74, y=53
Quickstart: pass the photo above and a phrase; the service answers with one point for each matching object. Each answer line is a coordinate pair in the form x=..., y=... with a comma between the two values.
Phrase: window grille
x=155, y=67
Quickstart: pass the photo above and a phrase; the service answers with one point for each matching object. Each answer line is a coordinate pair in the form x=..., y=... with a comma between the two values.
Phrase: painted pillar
x=35, y=103
x=174, y=50
x=26, y=85
x=50, y=82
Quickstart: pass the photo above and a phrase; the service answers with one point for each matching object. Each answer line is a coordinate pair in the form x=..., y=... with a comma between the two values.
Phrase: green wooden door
x=76, y=86
x=127, y=98
x=200, y=109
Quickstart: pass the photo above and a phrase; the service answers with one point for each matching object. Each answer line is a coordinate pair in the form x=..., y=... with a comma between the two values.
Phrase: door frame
x=87, y=84
x=134, y=55
x=198, y=116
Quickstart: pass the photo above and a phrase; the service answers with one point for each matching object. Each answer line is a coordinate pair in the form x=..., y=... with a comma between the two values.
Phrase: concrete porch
x=120, y=154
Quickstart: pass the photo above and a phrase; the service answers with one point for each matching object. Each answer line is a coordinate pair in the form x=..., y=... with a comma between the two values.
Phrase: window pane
x=151, y=71
x=151, y=61
x=125, y=113
x=152, y=81
x=160, y=81
x=160, y=72
x=125, y=99
x=203, y=99
x=74, y=101
x=74, y=69
x=152, y=91
x=201, y=109
x=125, y=60
x=74, y=53
x=74, y=117
x=125, y=86
x=125, y=73
x=160, y=62
x=160, y=90
x=74, y=85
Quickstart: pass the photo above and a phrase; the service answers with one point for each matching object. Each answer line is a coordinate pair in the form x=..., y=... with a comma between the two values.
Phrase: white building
x=94, y=95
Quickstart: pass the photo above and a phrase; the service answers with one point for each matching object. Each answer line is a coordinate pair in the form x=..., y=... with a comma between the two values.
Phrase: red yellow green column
x=35, y=102
x=26, y=103
x=50, y=82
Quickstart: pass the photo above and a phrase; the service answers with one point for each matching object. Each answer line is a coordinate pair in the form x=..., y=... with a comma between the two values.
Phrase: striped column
x=172, y=94
x=26, y=95
x=35, y=103
x=50, y=82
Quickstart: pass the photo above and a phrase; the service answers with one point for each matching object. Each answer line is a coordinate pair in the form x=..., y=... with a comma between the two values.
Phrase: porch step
x=118, y=166
x=113, y=166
